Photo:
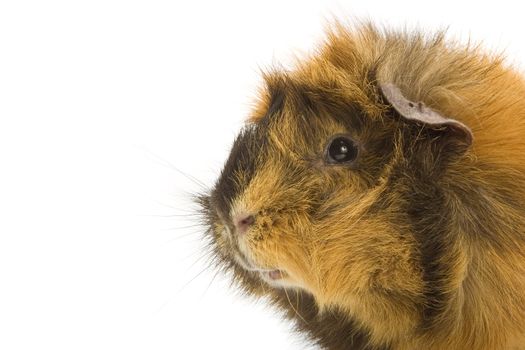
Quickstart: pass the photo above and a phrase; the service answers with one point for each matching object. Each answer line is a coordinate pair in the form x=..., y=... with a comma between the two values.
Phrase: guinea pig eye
x=341, y=149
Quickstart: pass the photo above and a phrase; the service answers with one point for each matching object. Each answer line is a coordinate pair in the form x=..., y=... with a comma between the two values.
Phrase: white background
x=99, y=102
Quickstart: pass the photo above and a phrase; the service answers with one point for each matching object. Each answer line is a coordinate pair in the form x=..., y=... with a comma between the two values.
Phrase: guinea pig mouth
x=277, y=279
x=273, y=274
x=265, y=274
x=272, y=277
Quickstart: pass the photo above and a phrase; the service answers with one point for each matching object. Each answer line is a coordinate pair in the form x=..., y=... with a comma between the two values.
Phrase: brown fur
x=418, y=244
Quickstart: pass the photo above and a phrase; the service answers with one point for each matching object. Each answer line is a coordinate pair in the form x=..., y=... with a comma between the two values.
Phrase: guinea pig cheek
x=281, y=262
x=269, y=248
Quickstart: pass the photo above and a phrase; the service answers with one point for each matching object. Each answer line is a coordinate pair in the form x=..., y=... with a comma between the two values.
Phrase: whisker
x=187, y=235
x=293, y=308
x=171, y=215
x=193, y=279
x=159, y=309
x=182, y=227
x=191, y=255
x=199, y=259
x=182, y=210
x=297, y=296
x=262, y=284
x=168, y=164
x=209, y=284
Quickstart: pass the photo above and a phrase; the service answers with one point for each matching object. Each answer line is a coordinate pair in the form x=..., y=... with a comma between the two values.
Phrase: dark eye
x=341, y=150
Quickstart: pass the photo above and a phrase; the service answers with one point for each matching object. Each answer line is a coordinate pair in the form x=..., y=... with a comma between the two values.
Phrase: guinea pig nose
x=243, y=223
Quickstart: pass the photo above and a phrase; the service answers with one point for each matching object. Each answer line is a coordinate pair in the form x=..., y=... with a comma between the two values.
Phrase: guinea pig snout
x=243, y=222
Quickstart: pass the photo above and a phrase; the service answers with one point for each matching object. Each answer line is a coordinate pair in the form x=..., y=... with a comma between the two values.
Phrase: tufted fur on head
x=416, y=242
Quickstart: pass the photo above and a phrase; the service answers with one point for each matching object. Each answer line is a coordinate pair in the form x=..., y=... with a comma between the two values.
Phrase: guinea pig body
x=377, y=195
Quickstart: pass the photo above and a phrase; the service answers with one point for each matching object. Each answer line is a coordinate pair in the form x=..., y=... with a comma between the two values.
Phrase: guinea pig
x=376, y=194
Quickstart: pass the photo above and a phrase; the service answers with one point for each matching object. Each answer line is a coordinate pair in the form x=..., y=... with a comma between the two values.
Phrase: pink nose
x=243, y=223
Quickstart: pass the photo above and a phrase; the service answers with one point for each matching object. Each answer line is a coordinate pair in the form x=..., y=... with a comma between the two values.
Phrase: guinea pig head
x=328, y=189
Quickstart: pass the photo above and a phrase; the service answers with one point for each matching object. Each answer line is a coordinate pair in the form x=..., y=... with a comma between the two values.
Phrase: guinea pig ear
x=452, y=132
